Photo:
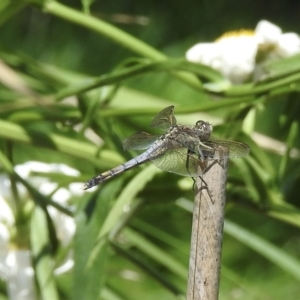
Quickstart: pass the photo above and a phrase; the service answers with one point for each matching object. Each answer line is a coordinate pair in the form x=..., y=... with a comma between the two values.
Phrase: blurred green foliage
x=83, y=78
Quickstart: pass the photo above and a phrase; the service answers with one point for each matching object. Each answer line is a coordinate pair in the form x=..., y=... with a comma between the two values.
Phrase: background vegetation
x=86, y=77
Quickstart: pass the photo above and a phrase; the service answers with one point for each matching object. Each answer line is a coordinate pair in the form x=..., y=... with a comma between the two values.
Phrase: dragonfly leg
x=194, y=180
x=205, y=147
x=188, y=160
x=204, y=169
x=209, y=194
x=204, y=187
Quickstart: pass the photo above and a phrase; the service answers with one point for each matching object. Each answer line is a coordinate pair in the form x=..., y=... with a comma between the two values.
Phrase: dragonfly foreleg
x=203, y=166
x=200, y=152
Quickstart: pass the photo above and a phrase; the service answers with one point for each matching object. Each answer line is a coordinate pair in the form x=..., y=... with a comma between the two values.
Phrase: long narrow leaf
x=278, y=257
x=41, y=252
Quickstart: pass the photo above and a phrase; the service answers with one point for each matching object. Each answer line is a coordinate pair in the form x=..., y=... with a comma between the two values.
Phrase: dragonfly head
x=204, y=129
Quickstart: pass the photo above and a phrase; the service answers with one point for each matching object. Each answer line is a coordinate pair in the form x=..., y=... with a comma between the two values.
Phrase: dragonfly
x=183, y=150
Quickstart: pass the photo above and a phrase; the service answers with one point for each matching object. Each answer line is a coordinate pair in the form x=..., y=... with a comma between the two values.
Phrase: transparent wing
x=164, y=119
x=171, y=156
x=232, y=149
x=181, y=162
x=139, y=141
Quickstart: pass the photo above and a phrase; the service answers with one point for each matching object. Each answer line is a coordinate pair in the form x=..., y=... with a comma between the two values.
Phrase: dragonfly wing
x=232, y=149
x=139, y=141
x=179, y=161
x=164, y=119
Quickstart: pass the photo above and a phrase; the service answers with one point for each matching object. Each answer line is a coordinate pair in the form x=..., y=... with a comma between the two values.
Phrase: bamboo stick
x=207, y=233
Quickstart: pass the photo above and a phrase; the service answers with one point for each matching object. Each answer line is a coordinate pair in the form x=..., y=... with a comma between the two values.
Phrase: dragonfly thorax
x=204, y=129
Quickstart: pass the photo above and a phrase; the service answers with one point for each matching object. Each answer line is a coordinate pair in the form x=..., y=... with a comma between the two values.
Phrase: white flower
x=15, y=264
x=235, y=54
x=280, y=44
x=64, y=225
x=20, y=276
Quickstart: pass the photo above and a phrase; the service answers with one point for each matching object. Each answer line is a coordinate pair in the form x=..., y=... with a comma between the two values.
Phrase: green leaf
x=125, y=199
x=276, y=255
x=56, y=142
x=160, y=256
x=89, y=279
x=41, y=251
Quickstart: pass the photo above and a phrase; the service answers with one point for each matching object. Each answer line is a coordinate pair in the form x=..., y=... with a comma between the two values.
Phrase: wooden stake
x=207, y=233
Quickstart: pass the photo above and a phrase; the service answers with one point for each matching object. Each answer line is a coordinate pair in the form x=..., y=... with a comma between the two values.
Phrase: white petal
x=61, y=196
x=267, y=32
x=203, y=53
x=45, y=187
x=76, y=189
x=25, y=169
x=65, y=267
x=4, y=246
x=20, y=279
x=232, y=56
x=65, y=169
x=5, y=190
x=4, y=237
x=6, y=214
x=288, y=45
x=238, y=57
x=64, y=225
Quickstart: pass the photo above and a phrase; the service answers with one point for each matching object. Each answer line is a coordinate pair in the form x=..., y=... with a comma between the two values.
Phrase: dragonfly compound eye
x=199, y=124
x=203, y=126
x=204, y=129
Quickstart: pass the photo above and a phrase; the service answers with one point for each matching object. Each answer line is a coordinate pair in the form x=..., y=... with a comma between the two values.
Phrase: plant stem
x=207, y=233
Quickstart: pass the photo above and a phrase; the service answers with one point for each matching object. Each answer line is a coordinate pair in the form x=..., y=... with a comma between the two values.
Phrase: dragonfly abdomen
x=115, y=171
